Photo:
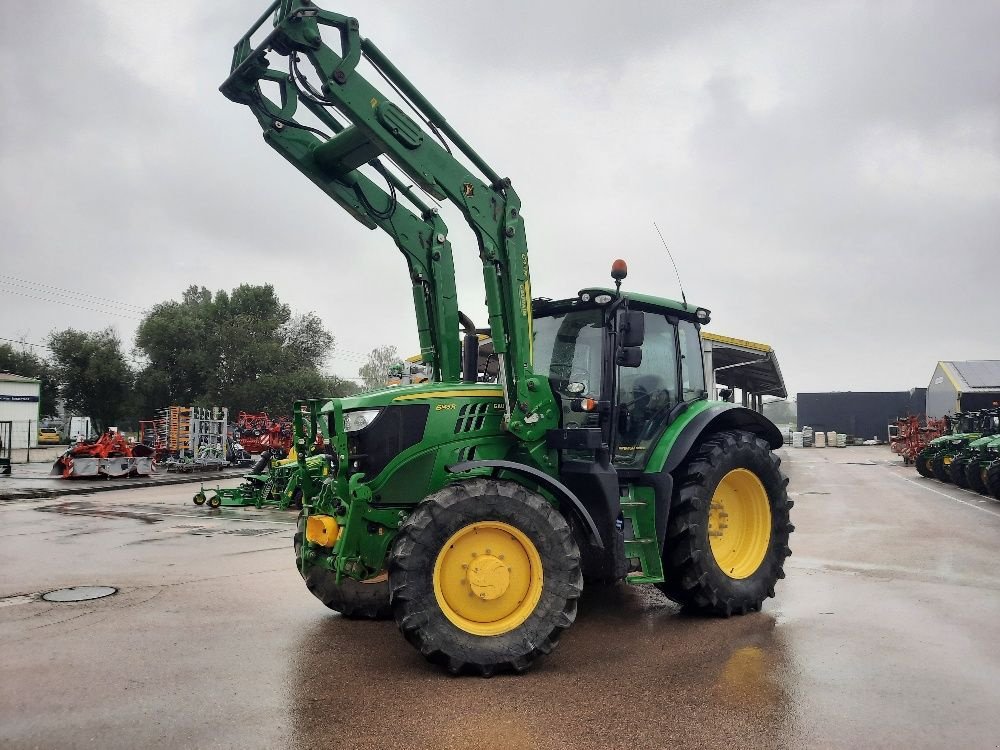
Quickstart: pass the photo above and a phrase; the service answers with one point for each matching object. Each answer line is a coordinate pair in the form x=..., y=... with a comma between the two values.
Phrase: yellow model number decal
x=444, y=407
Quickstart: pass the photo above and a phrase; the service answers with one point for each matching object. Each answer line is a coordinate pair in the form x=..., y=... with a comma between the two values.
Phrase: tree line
x=243, y=349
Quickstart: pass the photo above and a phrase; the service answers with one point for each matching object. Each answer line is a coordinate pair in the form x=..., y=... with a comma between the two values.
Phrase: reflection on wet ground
x=632, y=672
x=883, y=635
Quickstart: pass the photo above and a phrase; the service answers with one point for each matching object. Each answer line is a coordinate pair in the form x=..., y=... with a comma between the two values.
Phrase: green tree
x=94, y=377
x=375, y=372
x=241, y=349
x=30, y=365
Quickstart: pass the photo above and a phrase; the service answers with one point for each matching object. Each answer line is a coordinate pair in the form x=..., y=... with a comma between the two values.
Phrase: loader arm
x=377, y=128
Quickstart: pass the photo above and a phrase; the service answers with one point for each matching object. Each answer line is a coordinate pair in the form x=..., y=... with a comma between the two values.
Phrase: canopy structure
x=749, y=366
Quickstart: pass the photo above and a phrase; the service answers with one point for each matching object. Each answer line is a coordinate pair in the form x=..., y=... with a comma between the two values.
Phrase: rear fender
x=694, y=425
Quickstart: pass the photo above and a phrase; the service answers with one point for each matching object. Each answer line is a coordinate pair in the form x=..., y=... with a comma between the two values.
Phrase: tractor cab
x=622, y=366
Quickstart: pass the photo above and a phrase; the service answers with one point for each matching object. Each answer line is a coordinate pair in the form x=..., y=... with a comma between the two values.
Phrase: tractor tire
x=992, y=479
x=975, y=476
x=956, y=471
x=357, y=600
x=484, y=577
x=940, y=469
x=733, y=479
x=923, y=465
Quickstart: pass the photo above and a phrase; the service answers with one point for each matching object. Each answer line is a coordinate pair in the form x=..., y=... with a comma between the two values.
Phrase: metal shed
x=749, y=366
x=963, y=386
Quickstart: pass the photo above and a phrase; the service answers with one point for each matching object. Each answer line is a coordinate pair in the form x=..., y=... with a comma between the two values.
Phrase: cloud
x=828, y=176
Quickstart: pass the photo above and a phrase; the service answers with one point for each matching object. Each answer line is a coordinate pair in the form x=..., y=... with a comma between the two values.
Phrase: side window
x=647, y=393
x=692, y=365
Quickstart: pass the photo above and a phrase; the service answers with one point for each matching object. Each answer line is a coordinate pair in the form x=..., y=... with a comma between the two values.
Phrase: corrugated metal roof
x=748, y=365
x=9, y=377
x=976, y=375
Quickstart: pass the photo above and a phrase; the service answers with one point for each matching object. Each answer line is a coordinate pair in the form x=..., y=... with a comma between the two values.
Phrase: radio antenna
x=671, y=256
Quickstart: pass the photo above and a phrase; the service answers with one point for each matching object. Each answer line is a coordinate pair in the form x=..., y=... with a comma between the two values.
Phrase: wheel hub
x=739, y=523
x=488, y=578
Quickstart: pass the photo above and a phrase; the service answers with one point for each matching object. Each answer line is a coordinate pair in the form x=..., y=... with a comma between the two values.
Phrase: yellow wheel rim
x=739, y=523
x=488, y=578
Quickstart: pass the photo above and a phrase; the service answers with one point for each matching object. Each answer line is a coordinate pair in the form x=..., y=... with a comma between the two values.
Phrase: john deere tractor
x=473, y=507
x=970, y=466
x=934, y=461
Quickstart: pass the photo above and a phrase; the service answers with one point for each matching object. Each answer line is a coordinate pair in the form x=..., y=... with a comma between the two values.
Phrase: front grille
x=397, y=428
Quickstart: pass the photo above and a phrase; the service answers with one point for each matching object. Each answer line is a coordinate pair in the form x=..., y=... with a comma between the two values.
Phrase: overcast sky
x=827, y=174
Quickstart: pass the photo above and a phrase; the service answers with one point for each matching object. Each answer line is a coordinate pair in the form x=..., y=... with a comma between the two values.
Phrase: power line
x=48, y=289
x=112, y=313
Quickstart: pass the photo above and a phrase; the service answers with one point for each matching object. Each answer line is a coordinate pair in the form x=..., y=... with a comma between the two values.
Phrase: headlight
x=359, y=419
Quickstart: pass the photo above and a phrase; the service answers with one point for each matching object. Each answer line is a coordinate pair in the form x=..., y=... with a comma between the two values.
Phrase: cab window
x=647, y=393
x=692, y=364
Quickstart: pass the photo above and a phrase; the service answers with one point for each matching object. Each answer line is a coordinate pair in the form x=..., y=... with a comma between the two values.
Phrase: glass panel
x=692, y=365
x=568, y=348
x=647, y=393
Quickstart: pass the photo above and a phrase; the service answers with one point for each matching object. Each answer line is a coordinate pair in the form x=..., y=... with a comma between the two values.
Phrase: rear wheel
x=956, y=471
x=363, y=600
x=727, y=536
x=485, y=577
x=923, y=465
x=975, y=476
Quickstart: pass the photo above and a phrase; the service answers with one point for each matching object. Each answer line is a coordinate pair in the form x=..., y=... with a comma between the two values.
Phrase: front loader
x=472, y=508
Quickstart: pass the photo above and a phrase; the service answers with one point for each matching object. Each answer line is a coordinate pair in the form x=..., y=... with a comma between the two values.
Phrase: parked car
x=49, y=436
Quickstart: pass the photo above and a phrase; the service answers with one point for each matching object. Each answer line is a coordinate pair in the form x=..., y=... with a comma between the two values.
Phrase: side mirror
x=629, y=356
x=631, y=328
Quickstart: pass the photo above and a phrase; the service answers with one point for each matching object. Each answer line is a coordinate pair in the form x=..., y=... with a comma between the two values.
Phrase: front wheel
x=727, y=535
x=975, y=476
x=923, y=465
x=991, y=478
x=485, y=577
x=939, y=467
x=956, y=472
x=361, y=600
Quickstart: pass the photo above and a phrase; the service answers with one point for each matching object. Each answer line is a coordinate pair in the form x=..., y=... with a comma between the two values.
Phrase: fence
x=19, y=441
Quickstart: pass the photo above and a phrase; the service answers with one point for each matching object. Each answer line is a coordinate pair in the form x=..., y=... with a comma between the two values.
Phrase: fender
x=701, y=418
x=540, y=477
x=713, y=416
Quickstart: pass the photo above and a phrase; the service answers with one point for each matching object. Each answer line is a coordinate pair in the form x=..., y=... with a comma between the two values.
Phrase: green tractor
x=970, y=467
x=472, y=508
x=934, y=461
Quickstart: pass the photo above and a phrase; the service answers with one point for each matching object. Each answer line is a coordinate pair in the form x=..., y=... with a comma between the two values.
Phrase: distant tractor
x=934, y=461
x=472, y=508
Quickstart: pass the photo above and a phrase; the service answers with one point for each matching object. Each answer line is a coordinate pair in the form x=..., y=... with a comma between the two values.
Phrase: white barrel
x=819, y=440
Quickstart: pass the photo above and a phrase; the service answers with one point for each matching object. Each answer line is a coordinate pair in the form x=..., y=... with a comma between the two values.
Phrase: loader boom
x=377, y=128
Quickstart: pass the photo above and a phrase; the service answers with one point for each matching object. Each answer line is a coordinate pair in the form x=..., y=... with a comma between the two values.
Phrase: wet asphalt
x=884, y=634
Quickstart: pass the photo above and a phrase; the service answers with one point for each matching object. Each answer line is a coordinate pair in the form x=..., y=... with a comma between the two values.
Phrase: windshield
x=568, y=349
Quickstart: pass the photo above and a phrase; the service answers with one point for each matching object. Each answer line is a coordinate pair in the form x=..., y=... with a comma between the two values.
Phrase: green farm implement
x=473, y=508
x=270, y=483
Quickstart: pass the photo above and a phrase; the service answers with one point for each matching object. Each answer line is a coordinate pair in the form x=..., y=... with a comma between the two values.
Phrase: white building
x=20, y=404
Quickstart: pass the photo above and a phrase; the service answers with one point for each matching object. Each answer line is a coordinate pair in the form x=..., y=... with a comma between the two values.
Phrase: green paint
x=507, y=421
